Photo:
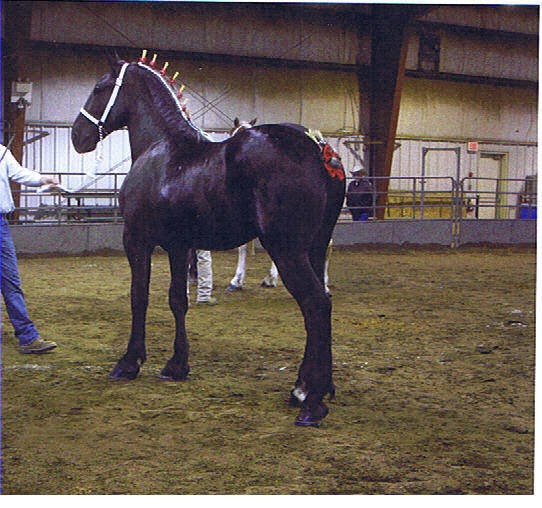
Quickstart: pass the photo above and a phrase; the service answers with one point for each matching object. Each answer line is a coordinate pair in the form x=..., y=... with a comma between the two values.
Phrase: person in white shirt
x=25, y=330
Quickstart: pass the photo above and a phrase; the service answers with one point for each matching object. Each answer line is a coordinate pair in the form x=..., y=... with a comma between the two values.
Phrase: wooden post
x=15, y=46
x=389, y=48
x=17, y=151
x=381, y=85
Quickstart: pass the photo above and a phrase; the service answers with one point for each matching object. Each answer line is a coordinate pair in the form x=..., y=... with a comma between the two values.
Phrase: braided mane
x=169, y=106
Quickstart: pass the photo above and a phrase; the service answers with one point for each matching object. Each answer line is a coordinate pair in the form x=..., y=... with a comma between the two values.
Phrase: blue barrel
x=527, y=211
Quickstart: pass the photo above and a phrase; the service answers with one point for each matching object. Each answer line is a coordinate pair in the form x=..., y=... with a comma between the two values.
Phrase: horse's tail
x=335, y=192
x=334, y=199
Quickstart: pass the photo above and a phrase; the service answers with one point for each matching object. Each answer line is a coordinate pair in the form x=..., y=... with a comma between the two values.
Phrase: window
x=429, y=53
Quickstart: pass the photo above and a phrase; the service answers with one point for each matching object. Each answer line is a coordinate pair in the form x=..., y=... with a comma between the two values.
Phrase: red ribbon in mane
x=332, y=162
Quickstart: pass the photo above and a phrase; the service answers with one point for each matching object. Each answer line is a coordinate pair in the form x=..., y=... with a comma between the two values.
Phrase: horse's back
x=266, y=149
x=289, y=185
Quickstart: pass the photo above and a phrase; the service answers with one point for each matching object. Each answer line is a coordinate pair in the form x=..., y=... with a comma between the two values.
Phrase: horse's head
x=241, y=125
x=104, y=111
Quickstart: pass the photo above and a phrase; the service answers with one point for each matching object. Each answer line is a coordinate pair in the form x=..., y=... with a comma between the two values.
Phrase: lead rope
x=98, y=154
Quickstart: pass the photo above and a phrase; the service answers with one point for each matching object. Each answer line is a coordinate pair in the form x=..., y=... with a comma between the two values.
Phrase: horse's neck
x=147, y=127
x=156, y=118
x=143, y=134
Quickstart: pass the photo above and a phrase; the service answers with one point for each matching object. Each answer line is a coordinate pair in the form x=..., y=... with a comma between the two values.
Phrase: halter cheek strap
x=101, y=122
x=118, y=83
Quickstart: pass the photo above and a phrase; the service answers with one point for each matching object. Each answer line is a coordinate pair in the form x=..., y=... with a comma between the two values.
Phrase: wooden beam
x=389, y=44
x=16, y=33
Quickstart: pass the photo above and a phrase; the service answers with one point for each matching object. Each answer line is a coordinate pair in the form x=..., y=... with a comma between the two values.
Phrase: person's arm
x=25, y=176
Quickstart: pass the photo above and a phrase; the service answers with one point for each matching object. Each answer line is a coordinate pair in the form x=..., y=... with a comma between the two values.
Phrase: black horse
x=185, y=190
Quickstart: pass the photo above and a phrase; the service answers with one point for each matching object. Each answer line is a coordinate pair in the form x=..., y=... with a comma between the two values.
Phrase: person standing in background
x=201, y=271
x=359, y=195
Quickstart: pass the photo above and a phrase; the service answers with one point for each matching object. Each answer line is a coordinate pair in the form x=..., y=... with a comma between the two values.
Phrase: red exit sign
x=472, y=146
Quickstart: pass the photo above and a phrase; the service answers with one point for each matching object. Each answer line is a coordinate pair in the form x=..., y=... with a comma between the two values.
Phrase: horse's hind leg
x=320, y=256
x=177, y=367
x=139, y=257
x=315, y=373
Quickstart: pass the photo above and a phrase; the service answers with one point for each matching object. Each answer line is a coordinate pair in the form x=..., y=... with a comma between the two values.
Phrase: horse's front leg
x=139, y=257
x=177, y=367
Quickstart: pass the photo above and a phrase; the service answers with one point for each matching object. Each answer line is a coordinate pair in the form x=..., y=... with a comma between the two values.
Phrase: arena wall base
x=507, y=232
x=396, y=232
x=437, y=232
x=67, y=239
x=88, y=238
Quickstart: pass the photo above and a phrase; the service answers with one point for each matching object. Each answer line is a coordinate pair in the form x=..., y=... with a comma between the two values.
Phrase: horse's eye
x=103, y=84
x=100, y=86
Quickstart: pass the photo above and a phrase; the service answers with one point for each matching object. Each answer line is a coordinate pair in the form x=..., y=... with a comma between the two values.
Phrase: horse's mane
x=167, y=104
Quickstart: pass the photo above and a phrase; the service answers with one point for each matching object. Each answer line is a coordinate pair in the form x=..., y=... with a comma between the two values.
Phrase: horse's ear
x=253, y=122
x=236, y=122
x=114, y=60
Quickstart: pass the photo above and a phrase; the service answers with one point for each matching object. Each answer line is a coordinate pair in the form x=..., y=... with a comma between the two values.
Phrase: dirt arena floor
x=433, y=362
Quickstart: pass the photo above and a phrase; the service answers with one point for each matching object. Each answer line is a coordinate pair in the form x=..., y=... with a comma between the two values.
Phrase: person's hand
x=49, y=180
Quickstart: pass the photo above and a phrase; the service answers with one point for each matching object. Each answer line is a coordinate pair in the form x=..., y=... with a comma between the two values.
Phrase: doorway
x=491, y=186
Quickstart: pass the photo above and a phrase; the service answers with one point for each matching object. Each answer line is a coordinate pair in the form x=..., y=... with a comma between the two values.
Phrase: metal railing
x=393, y=198
x=417, y=197
x=93, y=201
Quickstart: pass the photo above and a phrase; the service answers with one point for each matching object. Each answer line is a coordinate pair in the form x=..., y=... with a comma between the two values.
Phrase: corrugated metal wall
x=512, y=19
x=440, y=109
x=325, y=99
x=235, y=29
x=319, y=99
x=479, y=57
x=217, y=92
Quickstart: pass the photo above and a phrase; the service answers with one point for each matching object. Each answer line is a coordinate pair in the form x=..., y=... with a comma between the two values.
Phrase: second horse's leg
x=177, y=367
x=272, y=279
x=236, y=284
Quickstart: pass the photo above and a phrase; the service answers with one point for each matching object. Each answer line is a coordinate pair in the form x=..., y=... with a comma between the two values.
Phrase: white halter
x=118, y=83
x=101, y=122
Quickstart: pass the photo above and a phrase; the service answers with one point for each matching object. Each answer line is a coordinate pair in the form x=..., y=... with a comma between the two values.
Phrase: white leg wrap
x=205, y=274
x=299, y=394
x=274, y=273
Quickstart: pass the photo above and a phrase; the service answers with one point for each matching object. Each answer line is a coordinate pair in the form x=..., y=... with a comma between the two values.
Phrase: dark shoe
x=38, y=346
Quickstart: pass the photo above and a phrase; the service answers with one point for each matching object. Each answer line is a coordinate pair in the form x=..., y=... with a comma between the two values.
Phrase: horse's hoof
x=308, y=418
x=169, y=373
x=293, y=401
x=232, y=288
x=120, y=374
x=163, y=377
x=267, y=284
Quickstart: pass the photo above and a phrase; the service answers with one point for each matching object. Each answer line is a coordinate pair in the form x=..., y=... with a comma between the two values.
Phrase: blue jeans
x=13, y=295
